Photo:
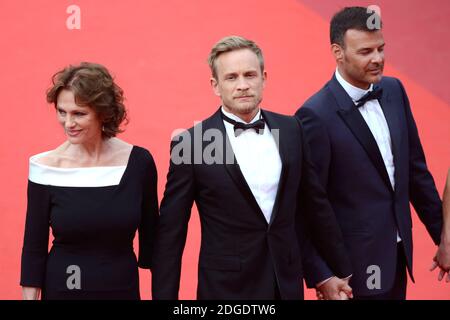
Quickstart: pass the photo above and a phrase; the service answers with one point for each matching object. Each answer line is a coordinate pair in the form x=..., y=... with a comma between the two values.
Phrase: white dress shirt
x=259, y=160
x=374, y=117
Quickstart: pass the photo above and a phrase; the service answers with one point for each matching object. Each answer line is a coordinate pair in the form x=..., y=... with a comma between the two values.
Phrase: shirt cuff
x=328, y=279
x=323, y=282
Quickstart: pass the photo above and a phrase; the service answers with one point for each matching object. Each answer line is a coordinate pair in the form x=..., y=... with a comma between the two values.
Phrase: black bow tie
x=240, y=127
x=376, y=93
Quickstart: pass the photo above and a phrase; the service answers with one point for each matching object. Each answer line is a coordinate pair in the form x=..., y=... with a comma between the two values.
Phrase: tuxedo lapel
x=358, y=126
x=276, y=129
x=391, y=115
x=232, y=167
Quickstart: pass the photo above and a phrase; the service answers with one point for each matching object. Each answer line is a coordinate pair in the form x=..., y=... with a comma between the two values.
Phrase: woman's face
x=80, y=123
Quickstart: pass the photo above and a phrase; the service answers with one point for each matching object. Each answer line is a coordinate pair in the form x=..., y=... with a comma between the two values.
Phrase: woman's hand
x=31, y=293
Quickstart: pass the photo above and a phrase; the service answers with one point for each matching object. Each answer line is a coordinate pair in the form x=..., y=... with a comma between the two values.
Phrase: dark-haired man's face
x=362, y=60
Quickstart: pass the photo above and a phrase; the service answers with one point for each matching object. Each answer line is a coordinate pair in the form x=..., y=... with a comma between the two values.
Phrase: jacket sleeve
x=326, y=254
x=422, y=189
x=175, y=213
x=36, y=237
x=150, y=213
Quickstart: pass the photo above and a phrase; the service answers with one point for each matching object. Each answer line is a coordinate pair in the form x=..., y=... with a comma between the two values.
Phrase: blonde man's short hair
x=232, y=43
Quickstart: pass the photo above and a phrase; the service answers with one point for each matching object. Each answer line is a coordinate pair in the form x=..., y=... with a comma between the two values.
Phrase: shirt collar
x=354, y=92
x=236, y=118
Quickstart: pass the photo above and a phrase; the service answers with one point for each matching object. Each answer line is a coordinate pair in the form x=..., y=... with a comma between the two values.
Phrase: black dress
x=94, y=214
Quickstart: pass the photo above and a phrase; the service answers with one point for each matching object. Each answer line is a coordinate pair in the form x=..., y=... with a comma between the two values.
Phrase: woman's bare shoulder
x=120, y=152
x=51, y=158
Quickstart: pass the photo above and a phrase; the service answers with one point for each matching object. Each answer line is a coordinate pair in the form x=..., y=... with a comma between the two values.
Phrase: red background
x=157, y=50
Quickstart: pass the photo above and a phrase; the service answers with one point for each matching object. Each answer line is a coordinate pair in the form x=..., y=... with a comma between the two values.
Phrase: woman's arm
x=31, y=293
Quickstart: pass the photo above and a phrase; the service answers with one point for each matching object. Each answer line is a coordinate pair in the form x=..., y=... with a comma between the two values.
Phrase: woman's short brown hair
x=93, y=86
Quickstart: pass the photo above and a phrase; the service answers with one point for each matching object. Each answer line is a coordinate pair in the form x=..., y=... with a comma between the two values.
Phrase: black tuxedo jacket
x=241, y=255
x=351, y=169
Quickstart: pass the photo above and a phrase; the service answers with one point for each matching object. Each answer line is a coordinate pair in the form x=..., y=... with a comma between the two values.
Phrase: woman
x=94, y=191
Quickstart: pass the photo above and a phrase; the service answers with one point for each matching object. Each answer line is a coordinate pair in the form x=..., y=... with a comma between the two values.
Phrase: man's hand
x=442, y=260
x=334, y=289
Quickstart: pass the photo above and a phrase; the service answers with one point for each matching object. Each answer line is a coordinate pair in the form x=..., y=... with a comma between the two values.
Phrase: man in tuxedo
x=369, y=158
x=259, y=200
